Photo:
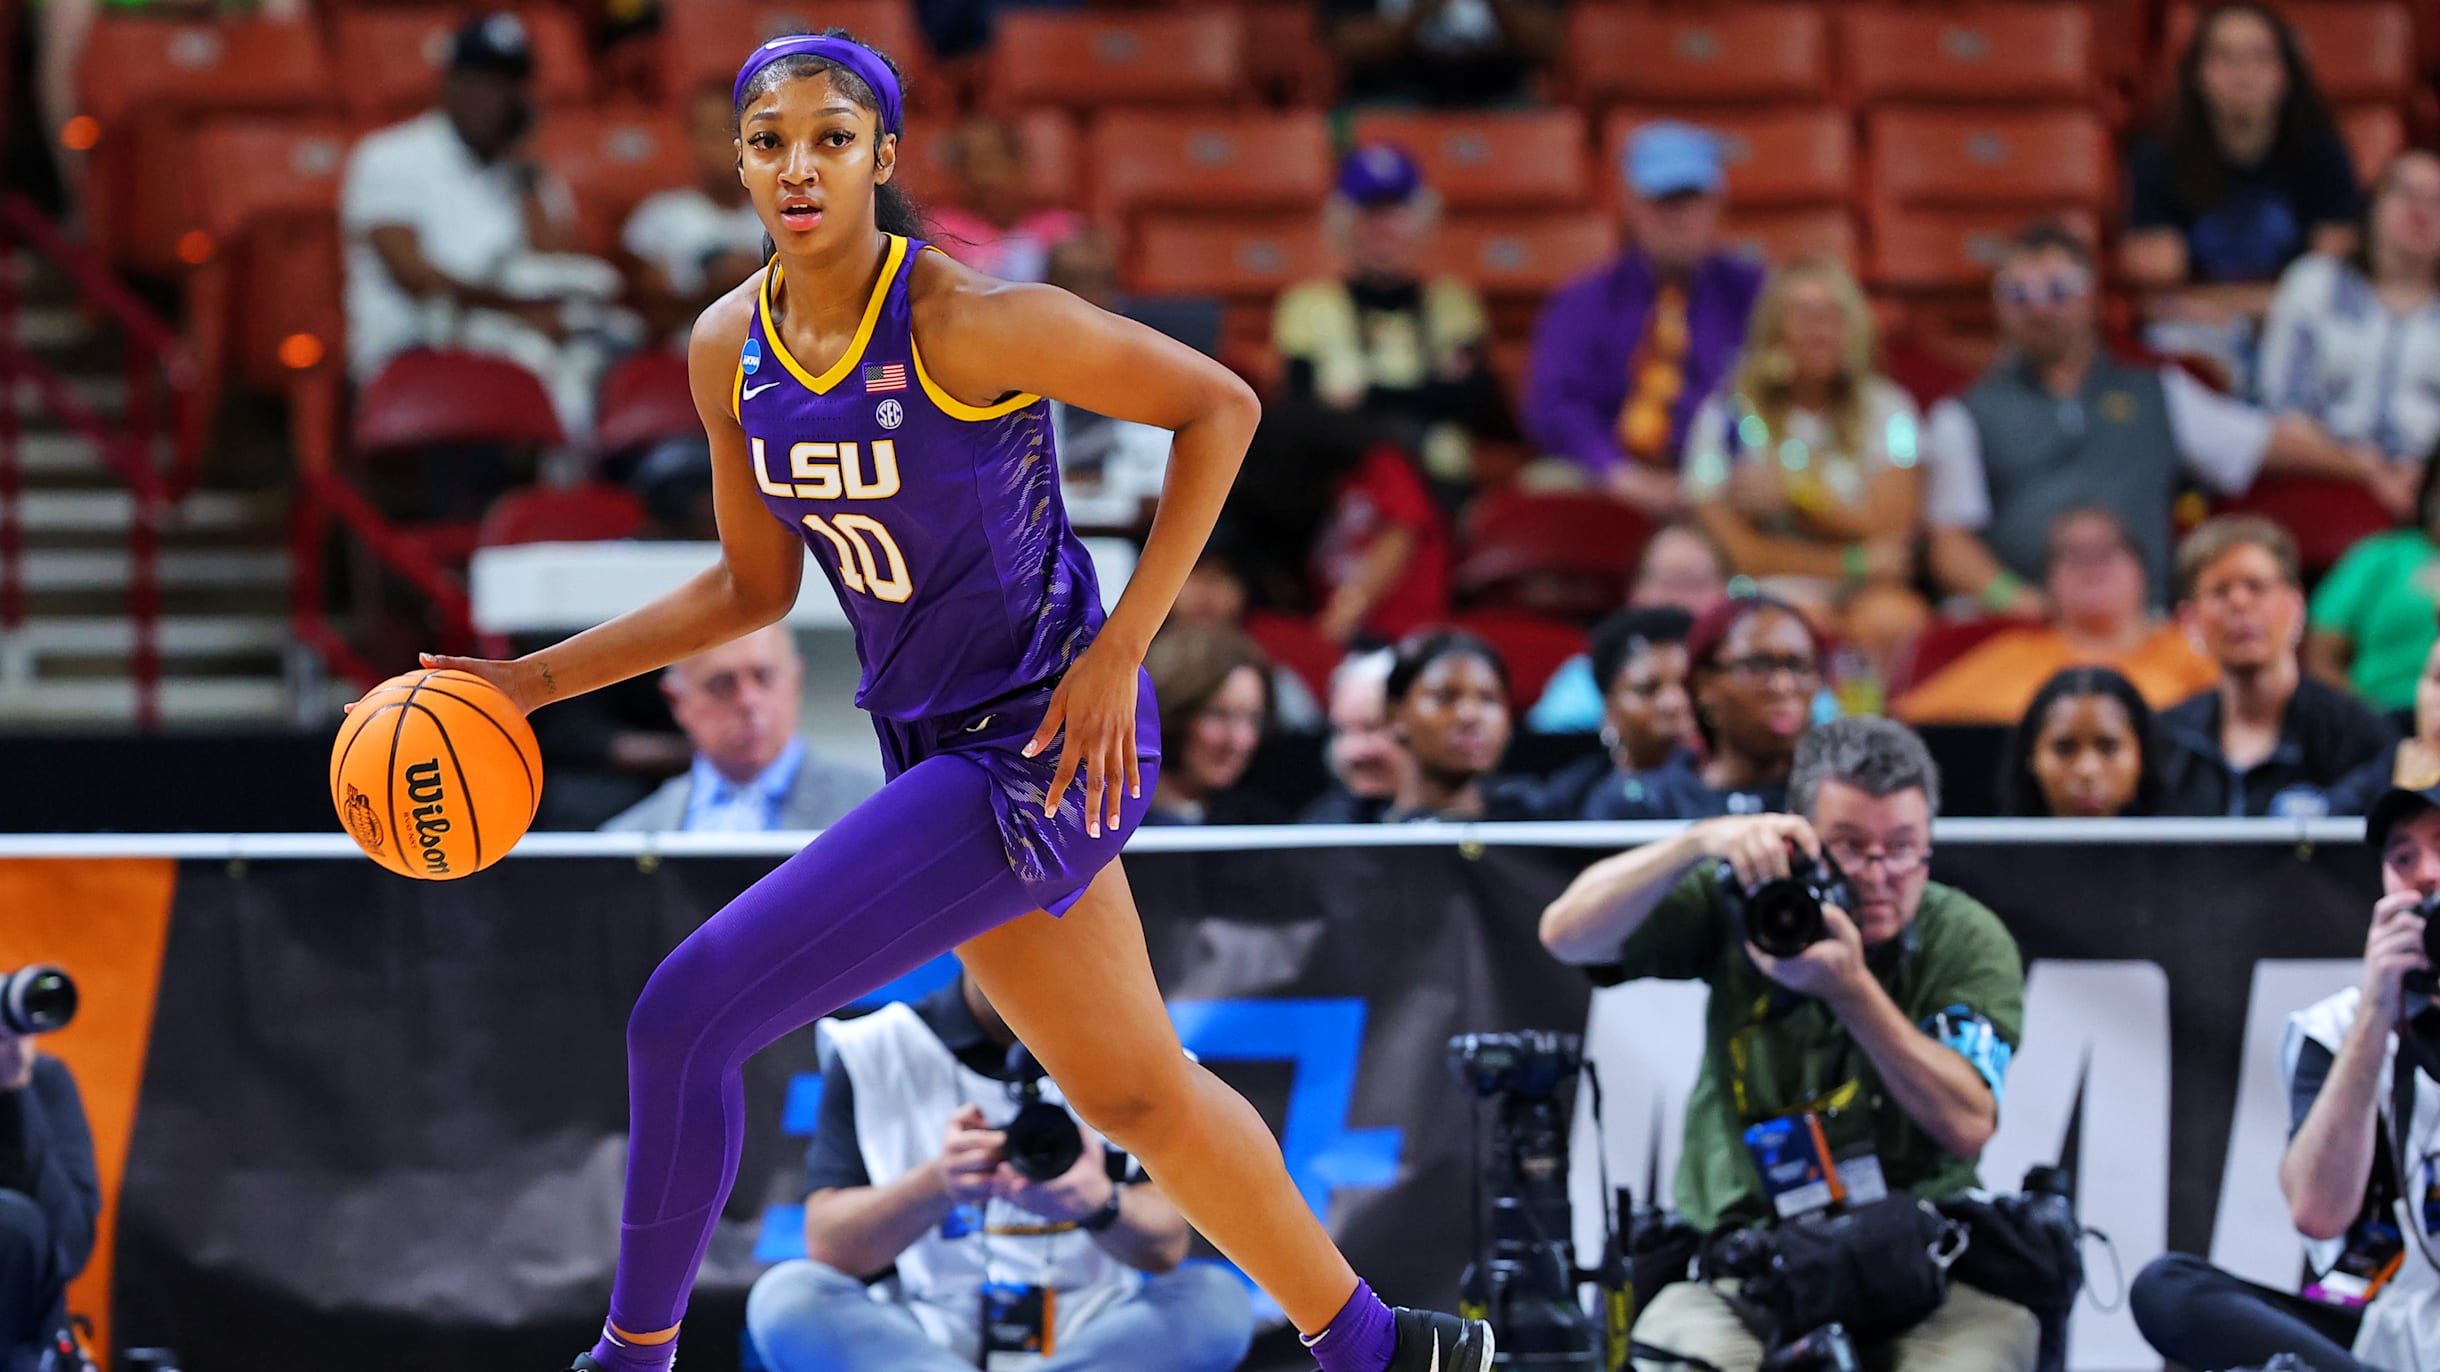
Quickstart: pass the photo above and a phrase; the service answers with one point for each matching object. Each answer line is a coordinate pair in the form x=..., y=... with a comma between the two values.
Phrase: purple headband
x=847, y=52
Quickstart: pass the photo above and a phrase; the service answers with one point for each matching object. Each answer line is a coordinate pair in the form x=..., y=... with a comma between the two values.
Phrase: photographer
x=2356, y=1064
x=49, y=1195
x=1889, y=1034
x=946, y=1173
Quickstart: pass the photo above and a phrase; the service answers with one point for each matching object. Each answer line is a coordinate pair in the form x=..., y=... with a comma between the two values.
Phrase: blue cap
x=1379, y=174
x=1668, y=158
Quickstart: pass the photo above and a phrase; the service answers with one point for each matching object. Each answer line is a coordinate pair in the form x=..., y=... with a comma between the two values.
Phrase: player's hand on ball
x=1095, y=703
x=523, y=684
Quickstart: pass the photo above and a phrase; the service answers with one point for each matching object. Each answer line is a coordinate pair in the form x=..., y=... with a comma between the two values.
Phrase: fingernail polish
x=1092, y=830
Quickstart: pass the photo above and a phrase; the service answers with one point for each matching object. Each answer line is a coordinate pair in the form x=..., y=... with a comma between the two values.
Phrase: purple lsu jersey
x=939, y=523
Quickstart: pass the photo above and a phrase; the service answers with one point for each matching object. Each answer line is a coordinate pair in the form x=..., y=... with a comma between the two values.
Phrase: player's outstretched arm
x=754, y=583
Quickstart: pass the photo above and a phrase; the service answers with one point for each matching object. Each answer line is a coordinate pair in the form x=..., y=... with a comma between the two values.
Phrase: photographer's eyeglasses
x=1759, y=668
x=2048, y=288
x=1897, y=861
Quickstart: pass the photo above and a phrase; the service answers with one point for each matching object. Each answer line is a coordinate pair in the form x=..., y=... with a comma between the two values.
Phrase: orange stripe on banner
x=105, y=921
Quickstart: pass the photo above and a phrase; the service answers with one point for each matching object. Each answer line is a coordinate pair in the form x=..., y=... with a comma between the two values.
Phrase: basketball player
x=874, y=401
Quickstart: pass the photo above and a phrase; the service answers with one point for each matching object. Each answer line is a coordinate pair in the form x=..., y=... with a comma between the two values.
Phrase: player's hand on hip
x=1095, y=704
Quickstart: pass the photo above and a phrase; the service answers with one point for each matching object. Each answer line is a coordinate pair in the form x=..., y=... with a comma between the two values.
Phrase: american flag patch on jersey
x=885, y=376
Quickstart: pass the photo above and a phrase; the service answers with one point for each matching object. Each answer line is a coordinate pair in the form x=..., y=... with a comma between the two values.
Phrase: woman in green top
x=2375, y=616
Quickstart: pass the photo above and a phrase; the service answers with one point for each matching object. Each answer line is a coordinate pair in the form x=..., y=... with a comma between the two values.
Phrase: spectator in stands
x=2100, y=615
x=2083, y=750
x=752, y=772
x=1367, y=767
x=1448, y=698
x=1906, y=1016
x=2057, y=423
x=996, y=222
x=1756, y=664
x=1803, y=464
x=50, y=1198
x=2409, y=761
x=1647, y=722
x=2358, y=1068
x=909, y=1171
x=1680, y=565
x=1622, y=357
x=455, y=237
x=1405, y=351
x=2270, y=740
x=691, y=244
x=1110, y=470
x=2373, y=618
x=2246, y=174
x=1441, y=52
x=1214, y=692
x=2353, y=342
x=1380, y=568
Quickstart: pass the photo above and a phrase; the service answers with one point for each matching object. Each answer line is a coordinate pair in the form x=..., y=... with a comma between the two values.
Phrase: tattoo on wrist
x=550, y=684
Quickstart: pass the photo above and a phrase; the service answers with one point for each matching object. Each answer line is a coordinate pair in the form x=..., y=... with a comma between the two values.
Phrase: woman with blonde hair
x=1805, y=466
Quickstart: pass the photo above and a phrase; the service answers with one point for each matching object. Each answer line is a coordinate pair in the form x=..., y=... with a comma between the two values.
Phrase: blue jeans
x=806, y=1317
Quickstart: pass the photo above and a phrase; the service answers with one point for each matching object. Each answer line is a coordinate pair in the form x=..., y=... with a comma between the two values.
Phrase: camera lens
x=37, y=1000
x=1042, y=1141
x=1784, y=918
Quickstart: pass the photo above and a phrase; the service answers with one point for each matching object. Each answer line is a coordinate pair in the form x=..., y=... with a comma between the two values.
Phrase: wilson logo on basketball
x=424, y=792
x=357, y=811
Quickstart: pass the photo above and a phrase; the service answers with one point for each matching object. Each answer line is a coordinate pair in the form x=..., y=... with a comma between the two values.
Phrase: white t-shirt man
x=681, y=230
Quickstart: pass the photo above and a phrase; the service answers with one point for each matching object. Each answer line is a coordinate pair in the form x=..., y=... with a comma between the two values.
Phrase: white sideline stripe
x=1240, y=838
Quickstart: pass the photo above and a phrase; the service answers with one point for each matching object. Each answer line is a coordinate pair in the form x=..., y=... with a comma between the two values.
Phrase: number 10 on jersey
x=869, y=560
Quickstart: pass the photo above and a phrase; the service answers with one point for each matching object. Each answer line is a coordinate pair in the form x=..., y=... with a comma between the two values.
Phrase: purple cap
x=1379, y=174
x=847, y=52
x=1669, y=158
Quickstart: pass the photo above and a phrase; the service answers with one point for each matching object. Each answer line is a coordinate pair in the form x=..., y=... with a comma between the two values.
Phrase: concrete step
x=57, y=454
x=85, y=511
x=178, y=636
x=52, y=326
x=104, y=393
x=199, y=701
x=93, y=569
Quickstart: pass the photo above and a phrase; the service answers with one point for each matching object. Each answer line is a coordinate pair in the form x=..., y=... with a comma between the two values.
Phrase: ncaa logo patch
x=750, y=356
x=889, y=414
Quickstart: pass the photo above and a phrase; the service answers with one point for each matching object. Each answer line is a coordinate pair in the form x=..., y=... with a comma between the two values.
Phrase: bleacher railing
x=156, y=448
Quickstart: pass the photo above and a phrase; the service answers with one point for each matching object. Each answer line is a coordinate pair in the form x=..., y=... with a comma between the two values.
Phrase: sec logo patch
x=889, y=414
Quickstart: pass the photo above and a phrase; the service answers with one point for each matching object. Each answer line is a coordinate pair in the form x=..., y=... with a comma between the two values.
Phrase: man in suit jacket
x=752, y=773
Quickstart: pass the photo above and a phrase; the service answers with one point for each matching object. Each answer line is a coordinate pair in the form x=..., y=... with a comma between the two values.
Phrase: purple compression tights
x=932, y=860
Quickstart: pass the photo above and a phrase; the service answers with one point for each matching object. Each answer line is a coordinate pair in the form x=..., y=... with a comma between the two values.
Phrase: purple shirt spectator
x=1578, y=378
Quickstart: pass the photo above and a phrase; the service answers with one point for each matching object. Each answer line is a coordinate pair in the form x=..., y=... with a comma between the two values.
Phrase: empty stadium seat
x=1525, y=254
x=393, y=58
x=1697, y=54
x=2326, y=516
x=1054, y=160
x=645, y=399
x=1517, y=159
x=561, y=514
x=2359, y=49
x=431, y=397
x=1090, y=58
x=1941, y=643
x=146, y=83
x=1292, y=642
x=2374, y=134
x=1560, y=553
x=266, y=192
x=1533, y=648
x=1218, y=161
x=1203, y=254
x=1774, y=157
x=1973, y=53
x=704, y=41
x=1995, y=157
x=1284, y=55
x=1779, y=236
x=611, y=158
x=1949, y=249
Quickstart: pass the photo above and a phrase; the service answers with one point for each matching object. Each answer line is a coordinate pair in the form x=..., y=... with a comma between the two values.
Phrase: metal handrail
x=157, y=452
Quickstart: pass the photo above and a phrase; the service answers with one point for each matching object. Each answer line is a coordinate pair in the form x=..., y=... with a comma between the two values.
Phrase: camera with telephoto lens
x=1783, y=916
x=36, y=999
x=1524, y=1276
x=1042, y=1142
x=2429, y=981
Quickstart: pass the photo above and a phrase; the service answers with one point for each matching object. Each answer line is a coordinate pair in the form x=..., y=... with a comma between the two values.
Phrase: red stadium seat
x=1217, y=161
x=1506, y=160
x=2327, y=517
x=611, y=159
x=431, y=397
x=1774, y=157
x=561, y=514
x=1534, y=648
x=393, y=58
x=1563, y=554
x=1942, y=249
x=1983, y=158
x=2359, y=49
x=1526, y=254
x=1778, y=236
x=2374, y=134
x=1971, y=53
x=1284, y=55
x=1090, y=58
x=267, y=194
x=1054, y=160
x=145, y=83
x=1202, y=254
x=1717, y=54
x=645, y=399
x=1945, y=641
x=1295, y=644
x=703, y=41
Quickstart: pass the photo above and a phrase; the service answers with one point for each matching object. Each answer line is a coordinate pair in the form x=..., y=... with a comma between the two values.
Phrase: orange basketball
x=435, y=774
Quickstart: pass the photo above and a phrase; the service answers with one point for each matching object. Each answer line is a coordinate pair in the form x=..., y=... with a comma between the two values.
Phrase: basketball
x=435, y=774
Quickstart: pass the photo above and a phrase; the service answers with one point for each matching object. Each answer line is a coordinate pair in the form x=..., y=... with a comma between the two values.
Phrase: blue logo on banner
x=750, y=357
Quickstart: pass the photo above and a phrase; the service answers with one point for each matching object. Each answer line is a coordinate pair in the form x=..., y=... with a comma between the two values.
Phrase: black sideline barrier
x=382, y=1122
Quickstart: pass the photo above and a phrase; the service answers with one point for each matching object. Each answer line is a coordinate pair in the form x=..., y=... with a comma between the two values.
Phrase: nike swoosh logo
x=752, y=391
